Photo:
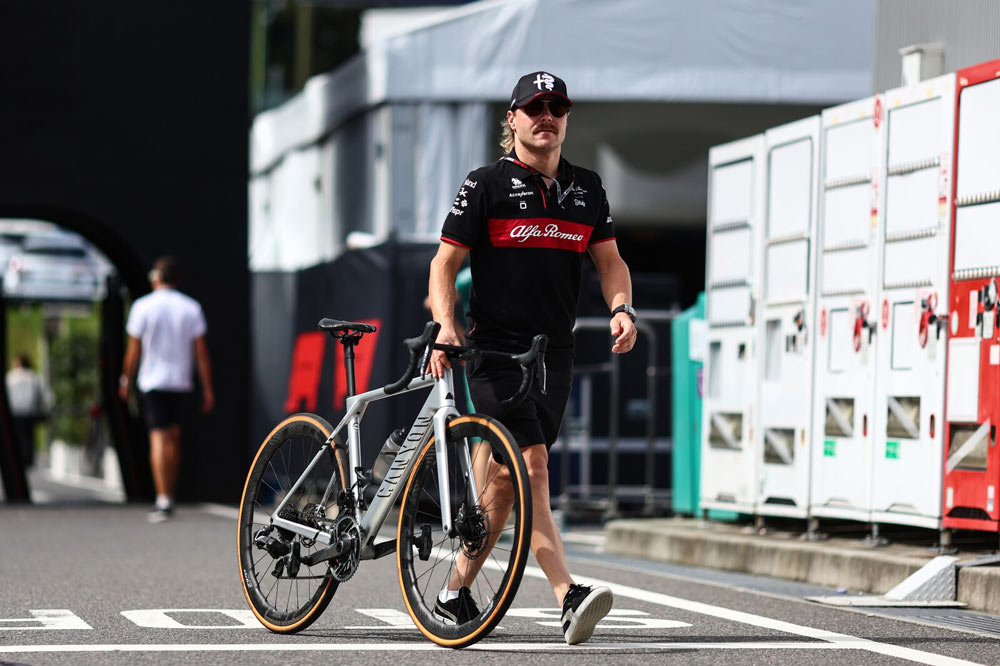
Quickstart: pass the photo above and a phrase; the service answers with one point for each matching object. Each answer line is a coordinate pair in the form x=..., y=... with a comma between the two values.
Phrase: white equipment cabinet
x=735, y=206
x=786, y=317
x=918, y=139
x=844, y=393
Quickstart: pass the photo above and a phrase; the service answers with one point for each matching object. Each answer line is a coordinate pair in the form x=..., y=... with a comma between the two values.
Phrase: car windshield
x=74, y=252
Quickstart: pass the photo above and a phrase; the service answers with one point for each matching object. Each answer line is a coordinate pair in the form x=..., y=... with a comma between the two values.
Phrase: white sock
x=447, y=595
x=163, y=501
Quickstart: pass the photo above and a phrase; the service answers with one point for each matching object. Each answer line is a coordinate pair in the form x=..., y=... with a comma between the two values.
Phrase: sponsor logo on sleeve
x=471, y=184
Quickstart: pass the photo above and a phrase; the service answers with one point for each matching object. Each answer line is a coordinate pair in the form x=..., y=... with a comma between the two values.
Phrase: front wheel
x=285, y=593
x=485, y=552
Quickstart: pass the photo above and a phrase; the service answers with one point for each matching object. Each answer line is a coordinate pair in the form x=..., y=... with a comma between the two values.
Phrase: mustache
x=546, y=128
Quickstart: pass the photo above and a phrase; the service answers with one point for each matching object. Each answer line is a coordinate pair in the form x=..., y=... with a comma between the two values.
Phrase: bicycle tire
x=420, y=578
x=281, y=459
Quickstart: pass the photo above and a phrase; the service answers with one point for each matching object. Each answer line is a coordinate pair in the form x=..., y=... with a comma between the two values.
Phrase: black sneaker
x=459, y=610
x=583, y=608
x=160, y=515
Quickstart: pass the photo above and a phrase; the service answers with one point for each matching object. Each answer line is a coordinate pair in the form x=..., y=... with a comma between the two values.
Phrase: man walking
x=167, y=331
x=527, y=221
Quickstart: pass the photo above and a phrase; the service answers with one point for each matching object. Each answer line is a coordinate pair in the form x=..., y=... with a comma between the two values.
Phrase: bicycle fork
x=444, y=412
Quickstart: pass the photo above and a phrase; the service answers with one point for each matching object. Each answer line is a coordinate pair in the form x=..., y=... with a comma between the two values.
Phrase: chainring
x=343, y=569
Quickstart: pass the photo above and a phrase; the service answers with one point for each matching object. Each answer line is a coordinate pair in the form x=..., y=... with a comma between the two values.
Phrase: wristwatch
x=627, y=309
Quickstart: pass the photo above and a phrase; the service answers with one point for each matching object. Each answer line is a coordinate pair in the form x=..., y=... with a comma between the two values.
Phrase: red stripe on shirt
x=603, y=240
x=539, y=232
x=455, y=242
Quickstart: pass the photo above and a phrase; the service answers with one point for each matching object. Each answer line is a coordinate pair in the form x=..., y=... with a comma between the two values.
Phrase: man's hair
x=506, y=136
x=24, y=361
x=165, y=270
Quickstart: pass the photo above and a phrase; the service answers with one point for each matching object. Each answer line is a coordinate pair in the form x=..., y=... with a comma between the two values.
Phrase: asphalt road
x=100, y=585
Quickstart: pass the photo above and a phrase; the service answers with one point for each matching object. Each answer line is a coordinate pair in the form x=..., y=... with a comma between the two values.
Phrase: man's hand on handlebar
x=439, y=360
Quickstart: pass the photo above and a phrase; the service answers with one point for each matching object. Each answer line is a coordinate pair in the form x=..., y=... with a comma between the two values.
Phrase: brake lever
x=425, y=359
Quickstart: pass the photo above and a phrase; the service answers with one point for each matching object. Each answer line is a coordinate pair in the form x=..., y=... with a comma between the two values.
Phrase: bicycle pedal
x=424, y=542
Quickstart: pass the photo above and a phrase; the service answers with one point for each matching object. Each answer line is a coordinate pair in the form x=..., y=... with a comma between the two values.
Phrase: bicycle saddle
x=337, y=326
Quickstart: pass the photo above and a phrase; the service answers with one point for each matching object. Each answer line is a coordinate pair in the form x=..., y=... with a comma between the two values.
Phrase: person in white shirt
x=166, y=331
x=28, y=401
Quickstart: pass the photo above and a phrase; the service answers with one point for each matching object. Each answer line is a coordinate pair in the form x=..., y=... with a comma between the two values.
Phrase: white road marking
x=618, y=618
x=157, y=618
x=48, y=619
x=841, y=640
x=589, y=539
x=393, y=618
x=414, y=647
x=220, y=510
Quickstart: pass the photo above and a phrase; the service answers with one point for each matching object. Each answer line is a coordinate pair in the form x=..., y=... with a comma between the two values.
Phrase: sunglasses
x=556, y=108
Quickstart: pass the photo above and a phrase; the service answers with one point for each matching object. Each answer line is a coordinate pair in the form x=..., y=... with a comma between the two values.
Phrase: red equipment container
x=972, y=457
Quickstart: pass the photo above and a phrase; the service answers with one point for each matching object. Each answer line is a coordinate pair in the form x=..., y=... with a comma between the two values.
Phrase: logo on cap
x=544, y=79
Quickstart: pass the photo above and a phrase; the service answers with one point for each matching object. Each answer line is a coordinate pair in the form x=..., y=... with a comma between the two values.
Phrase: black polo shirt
x=526, y=247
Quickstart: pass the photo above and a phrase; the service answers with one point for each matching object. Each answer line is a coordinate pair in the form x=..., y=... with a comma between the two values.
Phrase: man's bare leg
x=546, y=543
x=165, y=458
x=496, y=497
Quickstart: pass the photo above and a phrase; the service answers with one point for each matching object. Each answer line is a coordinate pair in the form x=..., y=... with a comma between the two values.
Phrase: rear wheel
x=488, y=545
x=285, y=593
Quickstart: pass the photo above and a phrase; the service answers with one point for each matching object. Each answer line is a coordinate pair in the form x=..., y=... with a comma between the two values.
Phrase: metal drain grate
x=988, y=624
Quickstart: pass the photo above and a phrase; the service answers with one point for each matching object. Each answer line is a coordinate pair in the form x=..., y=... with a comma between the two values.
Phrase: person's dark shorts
x=163, y=409
x=538, y=418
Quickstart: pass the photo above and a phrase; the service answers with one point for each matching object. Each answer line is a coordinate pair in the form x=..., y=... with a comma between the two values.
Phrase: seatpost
x=349, y=340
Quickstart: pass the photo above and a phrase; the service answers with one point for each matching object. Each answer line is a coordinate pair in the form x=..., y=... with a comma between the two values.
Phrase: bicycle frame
x=432, y=419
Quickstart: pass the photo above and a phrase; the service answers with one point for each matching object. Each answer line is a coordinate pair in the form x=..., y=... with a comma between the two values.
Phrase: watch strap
x=627, y=309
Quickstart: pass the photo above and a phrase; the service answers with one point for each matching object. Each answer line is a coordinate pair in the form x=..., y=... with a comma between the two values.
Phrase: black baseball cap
x=535, y=85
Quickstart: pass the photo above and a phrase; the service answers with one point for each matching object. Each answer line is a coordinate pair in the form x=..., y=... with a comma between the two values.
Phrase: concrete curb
x=834, y=563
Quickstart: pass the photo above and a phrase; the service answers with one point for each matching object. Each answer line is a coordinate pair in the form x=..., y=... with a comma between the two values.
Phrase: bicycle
x=305, y=525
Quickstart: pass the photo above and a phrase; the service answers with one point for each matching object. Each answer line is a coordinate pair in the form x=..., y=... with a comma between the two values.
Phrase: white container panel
x=787, y=271
x=849, y=149
x=846, y=271
x=839, y=347
x=915, y=132
x=912, y=201
x=911, y=262
x=963, y=380
x=979, y=139
x=732, y=192
x=790, y=189
x=904, y=335
x=977, y=235
x=730, y=256
x=729, y=305
x=846, y=214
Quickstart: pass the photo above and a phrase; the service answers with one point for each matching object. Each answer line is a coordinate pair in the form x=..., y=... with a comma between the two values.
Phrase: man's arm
x=204, y=373
x=130, y=367
x=616, y=285
x=442, y=295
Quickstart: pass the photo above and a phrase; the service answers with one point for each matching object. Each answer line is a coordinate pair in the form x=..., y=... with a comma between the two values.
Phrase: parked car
x=52, y=267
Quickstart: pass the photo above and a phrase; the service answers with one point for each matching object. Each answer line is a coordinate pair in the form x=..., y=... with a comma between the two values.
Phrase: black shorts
x=538, y=418
x=163, y=409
